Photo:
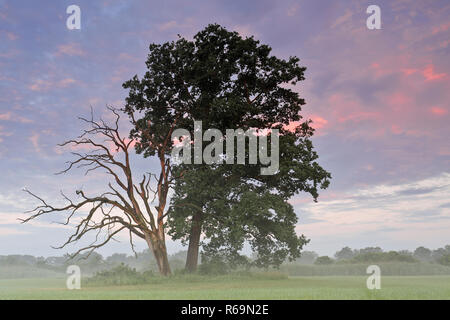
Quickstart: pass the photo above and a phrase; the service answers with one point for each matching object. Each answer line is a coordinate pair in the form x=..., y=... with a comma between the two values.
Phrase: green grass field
x=336, y=287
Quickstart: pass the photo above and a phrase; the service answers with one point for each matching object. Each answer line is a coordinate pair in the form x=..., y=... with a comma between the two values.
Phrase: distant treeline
x=376, y=254
x=145, y=261
x=91, y=263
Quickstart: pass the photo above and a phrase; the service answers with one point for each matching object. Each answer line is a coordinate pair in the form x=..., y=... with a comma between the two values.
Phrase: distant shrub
x=20, y=272
x=323, y=260
x=268, y=275
x=120, y=275
x=213, y=267
x=445, y=260
x=345, y=253
x=307, y=257
x=359, y=269
x=125, y=275
x=391, y=256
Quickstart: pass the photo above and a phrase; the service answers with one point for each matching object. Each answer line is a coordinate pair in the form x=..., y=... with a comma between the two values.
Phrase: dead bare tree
x=140, y=209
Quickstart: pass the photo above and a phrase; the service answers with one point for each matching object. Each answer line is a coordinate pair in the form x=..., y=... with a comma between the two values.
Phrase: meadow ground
x=318, y=287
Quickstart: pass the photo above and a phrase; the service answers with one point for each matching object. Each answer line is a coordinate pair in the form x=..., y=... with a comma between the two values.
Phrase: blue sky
x=379, y=100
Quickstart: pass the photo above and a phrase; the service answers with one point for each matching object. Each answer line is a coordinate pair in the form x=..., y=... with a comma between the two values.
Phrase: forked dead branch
x=141, y=208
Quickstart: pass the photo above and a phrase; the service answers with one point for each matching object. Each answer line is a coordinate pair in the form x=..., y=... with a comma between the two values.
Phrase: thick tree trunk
x=194, y=243
x=162, y=260
x=158, y=247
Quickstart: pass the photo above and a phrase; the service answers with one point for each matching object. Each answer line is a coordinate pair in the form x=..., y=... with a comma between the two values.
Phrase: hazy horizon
x=378, y=100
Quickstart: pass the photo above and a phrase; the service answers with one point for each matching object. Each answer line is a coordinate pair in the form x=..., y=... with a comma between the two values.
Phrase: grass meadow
x=232, y=287
x=292, y=281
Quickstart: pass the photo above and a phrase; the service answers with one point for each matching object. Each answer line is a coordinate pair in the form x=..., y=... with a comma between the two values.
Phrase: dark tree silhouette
x=229, y=82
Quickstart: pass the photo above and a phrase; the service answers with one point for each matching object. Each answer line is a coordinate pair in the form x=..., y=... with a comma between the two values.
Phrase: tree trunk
x=162, y=260
x=158, y=247
x=194, y=243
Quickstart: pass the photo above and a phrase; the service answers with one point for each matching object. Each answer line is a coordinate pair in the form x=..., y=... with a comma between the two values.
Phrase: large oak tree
x=228, y=82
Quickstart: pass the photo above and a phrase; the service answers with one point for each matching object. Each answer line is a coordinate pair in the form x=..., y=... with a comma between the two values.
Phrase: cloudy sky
x=379, y=100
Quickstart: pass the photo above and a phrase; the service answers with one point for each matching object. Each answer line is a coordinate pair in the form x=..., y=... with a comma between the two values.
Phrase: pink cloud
x=86, y=148
x=4, y=134
x=393, y=66
x=409, y=71
x=402, y=65
x=291, y=126
x=444, y=151
x=127, y=57
x=41, y=85
x=398, y=99
x=168, y=25
x=81, y=147
x=347, y=109
x=11, y=36
x=9, y=116
x=35, y=142
x=441, y=28
x=70, y=49
x=438, y=111
x=5, y=116
x=293, y=10
x=244, y=31
x=9, y=54
x=318, y=122
x=346, y=17
x=132, y=144
x=23, y=120
x=440, y=45
x=396, y=129
x=395, y=113
x=116, y=79
x=430, y=75
x=66, y=82
x=358, y=116
x=380, y=71
x=114, y=150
